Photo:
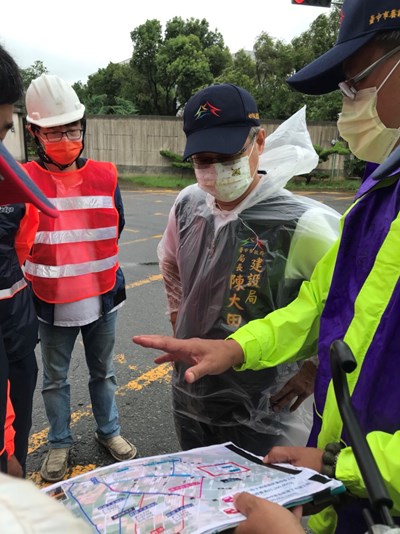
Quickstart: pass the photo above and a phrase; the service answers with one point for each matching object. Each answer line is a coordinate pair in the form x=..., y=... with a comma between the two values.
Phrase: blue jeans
x=57, y=344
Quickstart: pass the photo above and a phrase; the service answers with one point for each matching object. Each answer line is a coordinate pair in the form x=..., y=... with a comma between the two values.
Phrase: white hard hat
x=50, y=101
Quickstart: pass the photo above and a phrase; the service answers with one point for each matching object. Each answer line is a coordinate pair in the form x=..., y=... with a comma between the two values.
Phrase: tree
x=318, y=39
x=31, y=73
x=276, y=61
x=108, y=91
x=97, y=105
x=167, y=68
x=242, y=71
x=146, y=40
x=170, y=68
x=181, y=66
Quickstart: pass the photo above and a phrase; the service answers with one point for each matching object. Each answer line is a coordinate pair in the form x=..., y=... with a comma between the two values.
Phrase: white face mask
x=225, y=181
x=359, y=124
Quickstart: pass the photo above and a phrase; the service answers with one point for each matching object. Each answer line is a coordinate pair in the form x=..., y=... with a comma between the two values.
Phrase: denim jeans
x=57, y=344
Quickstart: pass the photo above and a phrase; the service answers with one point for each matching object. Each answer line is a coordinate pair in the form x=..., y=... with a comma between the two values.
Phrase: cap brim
x=16, y=186
x=325, y=73
x=221, y=140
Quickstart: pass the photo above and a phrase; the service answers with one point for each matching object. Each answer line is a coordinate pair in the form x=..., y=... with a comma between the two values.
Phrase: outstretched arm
x=204, y=356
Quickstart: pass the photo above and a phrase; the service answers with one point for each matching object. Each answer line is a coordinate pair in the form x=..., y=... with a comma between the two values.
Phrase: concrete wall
x=134, y=143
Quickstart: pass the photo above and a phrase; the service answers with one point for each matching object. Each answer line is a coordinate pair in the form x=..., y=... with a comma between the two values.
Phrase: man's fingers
x=279, y=454
x=287, y=399
x=280, y=395
x=197, y=371
x=163, y=359
x=244, y=502
x=151, y=341
x=299, y=401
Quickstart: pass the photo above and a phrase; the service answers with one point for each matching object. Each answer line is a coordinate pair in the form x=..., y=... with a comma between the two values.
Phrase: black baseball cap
x=218, y=119
x=16, y=186
x=360, y=21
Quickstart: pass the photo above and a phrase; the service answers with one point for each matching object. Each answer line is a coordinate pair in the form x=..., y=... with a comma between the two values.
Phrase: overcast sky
x=75, y=38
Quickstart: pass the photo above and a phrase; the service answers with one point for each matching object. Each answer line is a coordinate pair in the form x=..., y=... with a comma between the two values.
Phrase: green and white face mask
x=226, y=181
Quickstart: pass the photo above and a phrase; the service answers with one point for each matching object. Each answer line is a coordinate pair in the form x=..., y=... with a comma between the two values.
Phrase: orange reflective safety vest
x=75, y=256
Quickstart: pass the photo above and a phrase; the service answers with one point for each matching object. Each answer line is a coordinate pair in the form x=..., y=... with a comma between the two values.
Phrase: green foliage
x=160, y=181
x=167, y=67
x=107, y=92
x=176, y=160
x=323, y=107
x=130, y=181
x=354, y=167
x=31, y=73
x=323, y=155
x=97, y=105
x=337, y=148
x=276, y=61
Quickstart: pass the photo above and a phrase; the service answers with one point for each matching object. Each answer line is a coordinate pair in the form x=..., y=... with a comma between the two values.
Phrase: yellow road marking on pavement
x=161, y=372
x=153, y=278
x=347, y=197
x=120, y=358
x=80, y=470
x=131, y=230
x=76, y=470
x=140, y=240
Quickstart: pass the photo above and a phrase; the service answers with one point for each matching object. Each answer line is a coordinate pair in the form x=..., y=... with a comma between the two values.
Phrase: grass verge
x=176, y=182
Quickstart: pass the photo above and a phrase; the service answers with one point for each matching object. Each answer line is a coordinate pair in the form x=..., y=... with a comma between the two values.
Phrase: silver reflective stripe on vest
x=82, y=203
x=78, y=269
x=10, y=291
x=75, y=236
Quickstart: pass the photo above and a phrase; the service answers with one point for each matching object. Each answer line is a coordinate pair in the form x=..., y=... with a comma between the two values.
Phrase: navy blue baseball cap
x=219, y=119
x=360, y=20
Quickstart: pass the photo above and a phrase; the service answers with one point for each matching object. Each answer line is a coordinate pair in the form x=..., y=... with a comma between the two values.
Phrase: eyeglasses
x=200, y=160
x=347, y=88
x=72, y=135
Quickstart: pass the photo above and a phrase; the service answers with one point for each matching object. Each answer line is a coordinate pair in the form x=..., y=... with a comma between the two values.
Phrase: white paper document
x=187, y=492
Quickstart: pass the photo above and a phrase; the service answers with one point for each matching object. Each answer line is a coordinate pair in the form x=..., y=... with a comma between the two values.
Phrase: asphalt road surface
x=143, y=395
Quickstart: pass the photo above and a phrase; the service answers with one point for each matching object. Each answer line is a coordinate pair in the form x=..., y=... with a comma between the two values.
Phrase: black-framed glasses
x=73, y=135
x=347, y=88
x=200, y=160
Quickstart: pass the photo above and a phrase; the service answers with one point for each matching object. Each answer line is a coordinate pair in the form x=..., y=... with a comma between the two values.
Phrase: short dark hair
x=387, y=39
x=11, y=86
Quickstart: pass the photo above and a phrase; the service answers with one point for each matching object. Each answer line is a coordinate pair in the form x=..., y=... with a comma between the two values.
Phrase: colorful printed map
x=187, y=492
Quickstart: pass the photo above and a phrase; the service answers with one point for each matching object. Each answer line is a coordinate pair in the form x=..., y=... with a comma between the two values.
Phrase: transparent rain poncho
x=222, y=269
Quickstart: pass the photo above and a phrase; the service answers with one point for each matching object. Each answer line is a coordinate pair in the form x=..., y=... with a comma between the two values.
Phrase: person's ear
x=260, y=140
